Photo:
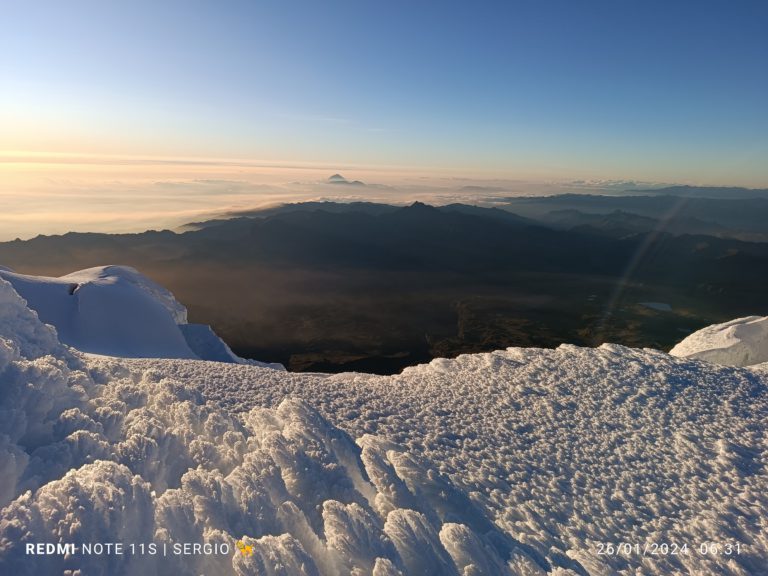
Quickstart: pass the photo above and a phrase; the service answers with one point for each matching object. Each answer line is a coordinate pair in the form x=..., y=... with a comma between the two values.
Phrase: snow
x=740, y=342
x=116, y=311
x=110, y=310
x=563, y=449
x=514, y=462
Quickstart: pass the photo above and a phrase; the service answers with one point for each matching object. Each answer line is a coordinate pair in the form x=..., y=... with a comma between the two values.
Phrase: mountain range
x=330, y=286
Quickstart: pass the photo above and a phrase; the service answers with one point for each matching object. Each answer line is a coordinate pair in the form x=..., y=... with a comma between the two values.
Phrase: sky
x=104, y=103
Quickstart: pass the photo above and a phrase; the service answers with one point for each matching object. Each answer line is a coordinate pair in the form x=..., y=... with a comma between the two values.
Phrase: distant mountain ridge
x=373, y=287
x=737, y=218
x=722, y=192
x=742, y=218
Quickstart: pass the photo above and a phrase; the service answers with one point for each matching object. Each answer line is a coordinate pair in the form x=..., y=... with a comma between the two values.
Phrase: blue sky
x=619, y=83
x=673, y=91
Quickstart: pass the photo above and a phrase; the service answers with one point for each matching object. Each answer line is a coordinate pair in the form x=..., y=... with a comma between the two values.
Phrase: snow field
x=117, y=454
x=564, y=449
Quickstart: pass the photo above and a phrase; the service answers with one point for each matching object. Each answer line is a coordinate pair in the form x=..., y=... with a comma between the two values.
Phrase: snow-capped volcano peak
x=339, y=179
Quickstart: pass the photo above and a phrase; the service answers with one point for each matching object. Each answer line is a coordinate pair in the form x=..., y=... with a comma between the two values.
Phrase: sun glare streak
x=634, y=263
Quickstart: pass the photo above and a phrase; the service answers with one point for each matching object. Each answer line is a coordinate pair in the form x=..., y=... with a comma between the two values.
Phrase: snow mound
x=116, y=311
x=109, y=275
x=740, y=342
x=110, y=310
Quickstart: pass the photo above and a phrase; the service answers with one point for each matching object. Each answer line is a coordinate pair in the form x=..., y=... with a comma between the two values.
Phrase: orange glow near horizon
x=55, y=192
x=58, y=192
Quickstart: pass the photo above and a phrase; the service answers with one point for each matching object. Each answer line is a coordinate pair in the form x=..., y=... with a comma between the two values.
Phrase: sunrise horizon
x=534, y=98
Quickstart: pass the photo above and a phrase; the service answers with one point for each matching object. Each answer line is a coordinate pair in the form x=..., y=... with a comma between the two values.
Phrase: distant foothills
x=327, y=286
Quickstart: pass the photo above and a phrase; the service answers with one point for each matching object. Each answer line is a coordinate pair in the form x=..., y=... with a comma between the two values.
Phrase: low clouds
x=603, y=185
x=47, y=194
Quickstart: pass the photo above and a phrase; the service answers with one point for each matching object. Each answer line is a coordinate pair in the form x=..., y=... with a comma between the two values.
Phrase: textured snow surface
x=740, y=342
x=515, y=462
